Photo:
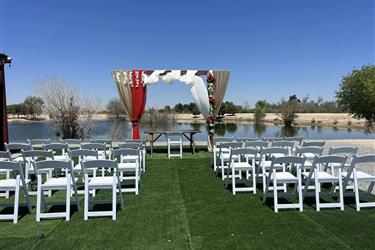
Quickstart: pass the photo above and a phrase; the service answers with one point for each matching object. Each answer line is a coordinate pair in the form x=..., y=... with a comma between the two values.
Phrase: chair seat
x=322, y=176
x=267, y=164
x=130, y=166
x=241, y=166
x=10, y=183
x=283, y=176
x=60, y=157
x=57, y=182
x=18, y=159
x=360, y=175
x=226, y=156
x=101, y=181
x=90, y=158
x=309, y=156
x=277, y=155
x=130, y=157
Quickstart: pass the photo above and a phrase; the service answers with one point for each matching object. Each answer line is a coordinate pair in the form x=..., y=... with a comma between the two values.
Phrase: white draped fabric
x=197, y=87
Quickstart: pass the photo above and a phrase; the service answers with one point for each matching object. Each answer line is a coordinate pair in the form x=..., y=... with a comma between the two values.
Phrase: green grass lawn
x=183, y=205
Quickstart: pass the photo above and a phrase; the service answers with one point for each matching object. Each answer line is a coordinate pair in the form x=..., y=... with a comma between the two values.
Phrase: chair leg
x=275, y=200
x=341, y=193
x=38, y=198
x=68, y=191
x=300, y=199
x=222, y=169
x=233, y=182
x=136, y=180
x=356, y=192
x=114, y=192
x=16, y=200
x=254, y=180
x=214, y=157
x=86, y=206
x=317, y=191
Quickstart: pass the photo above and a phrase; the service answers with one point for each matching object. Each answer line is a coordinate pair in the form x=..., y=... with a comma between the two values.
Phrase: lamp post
x=4, y=59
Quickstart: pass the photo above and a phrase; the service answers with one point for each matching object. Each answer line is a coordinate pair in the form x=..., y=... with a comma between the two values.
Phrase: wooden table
x=156, y=134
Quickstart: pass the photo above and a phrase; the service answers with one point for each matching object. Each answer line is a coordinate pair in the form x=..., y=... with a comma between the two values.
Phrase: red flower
x=210, y=118
x=211, y=78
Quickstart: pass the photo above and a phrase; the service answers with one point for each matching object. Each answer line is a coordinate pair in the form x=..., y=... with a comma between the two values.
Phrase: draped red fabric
x=139, y=93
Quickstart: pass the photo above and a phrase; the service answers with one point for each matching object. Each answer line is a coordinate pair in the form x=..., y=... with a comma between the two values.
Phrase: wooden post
x=3, y=106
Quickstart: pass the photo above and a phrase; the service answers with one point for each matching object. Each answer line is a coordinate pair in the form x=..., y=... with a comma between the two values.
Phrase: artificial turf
x=183, y=205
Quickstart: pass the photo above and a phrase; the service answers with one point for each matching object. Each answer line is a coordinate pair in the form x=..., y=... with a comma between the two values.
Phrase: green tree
x=195, y=111
x=356, y=93
x=115, y=107
x=260, y=111
x=33, y=106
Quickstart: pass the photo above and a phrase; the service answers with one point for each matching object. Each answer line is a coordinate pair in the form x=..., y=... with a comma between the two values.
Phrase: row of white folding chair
x=320, y=165
x=289, y=142
x=129, y=164
x=67, y=183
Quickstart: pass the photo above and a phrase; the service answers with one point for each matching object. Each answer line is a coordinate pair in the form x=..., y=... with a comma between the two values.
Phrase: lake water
x=20, y=131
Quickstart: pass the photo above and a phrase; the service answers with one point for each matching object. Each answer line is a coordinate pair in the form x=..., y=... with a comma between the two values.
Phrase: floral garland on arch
x=211, y=85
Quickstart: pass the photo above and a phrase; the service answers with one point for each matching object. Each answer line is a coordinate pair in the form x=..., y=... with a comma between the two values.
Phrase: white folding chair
x=72, y=143
x=215, y=148
x=66, y=182
x=108, y=144
x=30, y=157
x=318, y=176
x=15, y=185
x=313, y=143
x=144, y=151
x=38, y=143
x=224, y=155
x=76, y=157
x=141, y=157
x=174, y=139
x=239, y=163
x=16, y=149
x=58, y=149
x=356, y=176
x=284, y=144
x=347, y=151
x=103, y=182
x=5, y=156
x=266, y=156
x=275, y=177
x=101, y=148
x=309, y=153
x=128, y=167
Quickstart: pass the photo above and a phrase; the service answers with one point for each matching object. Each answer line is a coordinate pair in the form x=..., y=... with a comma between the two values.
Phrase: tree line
x=30, y=108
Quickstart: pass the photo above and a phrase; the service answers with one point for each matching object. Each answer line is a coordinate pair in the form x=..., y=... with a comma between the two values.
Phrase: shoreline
x=330, y=120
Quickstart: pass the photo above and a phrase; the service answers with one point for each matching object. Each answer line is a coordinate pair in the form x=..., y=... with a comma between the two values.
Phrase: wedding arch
x=132, y=87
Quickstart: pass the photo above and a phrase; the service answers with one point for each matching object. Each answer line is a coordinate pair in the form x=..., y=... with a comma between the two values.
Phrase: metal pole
x=3, y=109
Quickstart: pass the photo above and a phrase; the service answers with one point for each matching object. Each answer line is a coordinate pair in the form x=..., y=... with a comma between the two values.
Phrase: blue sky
x=273, y=48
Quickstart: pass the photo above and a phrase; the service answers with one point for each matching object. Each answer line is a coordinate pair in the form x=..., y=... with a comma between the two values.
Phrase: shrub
x=289, y=110
x=260, y=111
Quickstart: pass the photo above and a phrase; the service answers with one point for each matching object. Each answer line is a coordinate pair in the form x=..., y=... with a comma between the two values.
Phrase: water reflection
x=220, y=129
x=289, y=131
x=196, y=126
x=260, y=129
x=231, y=127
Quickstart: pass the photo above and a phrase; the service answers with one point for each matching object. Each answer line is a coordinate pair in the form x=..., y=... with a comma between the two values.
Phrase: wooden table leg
x=192, y=144
x=152, y=144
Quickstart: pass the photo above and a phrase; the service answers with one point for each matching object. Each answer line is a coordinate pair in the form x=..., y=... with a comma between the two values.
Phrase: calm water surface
x=19, y=131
